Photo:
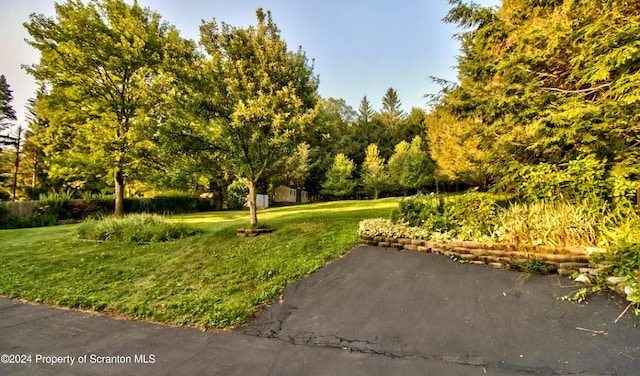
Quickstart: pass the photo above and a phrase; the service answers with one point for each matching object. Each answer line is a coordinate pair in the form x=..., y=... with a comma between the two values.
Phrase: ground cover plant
x=215, y=279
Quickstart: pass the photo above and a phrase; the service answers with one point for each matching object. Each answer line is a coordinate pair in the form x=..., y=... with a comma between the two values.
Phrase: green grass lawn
x=214, y=279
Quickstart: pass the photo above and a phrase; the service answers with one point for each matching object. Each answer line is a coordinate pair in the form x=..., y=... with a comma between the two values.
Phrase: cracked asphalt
x=376, y=311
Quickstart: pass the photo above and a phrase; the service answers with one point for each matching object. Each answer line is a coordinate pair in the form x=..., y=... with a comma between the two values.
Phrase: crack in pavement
x=331, y=341
x=354, y=345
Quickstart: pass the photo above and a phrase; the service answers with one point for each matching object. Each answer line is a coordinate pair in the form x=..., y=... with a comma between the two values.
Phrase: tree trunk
x=34, y=175
x=375, y=193
x=119, y=183
x=17, y=163
x=252, y=203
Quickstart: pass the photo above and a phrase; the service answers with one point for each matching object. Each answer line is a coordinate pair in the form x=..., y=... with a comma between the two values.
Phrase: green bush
x=236, y=195
x=582, y=179
x=624, y=261
x=472, y=215
x=28, y=222
x=54, y=207
x=468, y=216
x=134, y=228
x=175, y=203
x=416, y=210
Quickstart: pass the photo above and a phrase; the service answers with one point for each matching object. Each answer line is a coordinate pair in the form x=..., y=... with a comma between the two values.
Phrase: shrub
x=472, y=215
x=388, y=228
x=236, y=195
x=469, y=216
x=581, y=179
x=624, y=261
x=55, y=207
x=134, y=228
x=416, y=210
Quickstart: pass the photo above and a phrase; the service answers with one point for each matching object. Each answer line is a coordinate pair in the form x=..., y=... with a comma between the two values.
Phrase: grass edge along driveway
x=212, y=280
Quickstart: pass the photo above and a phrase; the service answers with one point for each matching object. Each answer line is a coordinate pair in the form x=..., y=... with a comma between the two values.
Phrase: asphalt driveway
x=375, y=311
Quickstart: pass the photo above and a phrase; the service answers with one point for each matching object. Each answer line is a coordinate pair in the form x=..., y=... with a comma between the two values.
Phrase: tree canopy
x=110, y=67
x=547, y=92
x=260, y=95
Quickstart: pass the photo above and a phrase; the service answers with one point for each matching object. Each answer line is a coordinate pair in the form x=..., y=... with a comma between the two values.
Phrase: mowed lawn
x=212, y=280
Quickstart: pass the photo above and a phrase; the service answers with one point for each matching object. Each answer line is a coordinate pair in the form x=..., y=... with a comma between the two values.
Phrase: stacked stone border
x=250, y=232
x=552, y=260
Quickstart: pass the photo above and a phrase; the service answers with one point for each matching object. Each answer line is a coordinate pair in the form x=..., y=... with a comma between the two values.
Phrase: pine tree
x=365, y=111
x=391, y=111
x=7, y=114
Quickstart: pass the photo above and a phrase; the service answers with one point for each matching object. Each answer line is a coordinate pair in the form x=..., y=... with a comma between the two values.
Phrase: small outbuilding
x=288, y=194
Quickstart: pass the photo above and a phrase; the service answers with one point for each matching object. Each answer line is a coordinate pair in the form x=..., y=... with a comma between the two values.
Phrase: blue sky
x=360, y=47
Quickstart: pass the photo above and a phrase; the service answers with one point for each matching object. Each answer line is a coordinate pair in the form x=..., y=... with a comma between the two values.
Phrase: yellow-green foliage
x=551, y=223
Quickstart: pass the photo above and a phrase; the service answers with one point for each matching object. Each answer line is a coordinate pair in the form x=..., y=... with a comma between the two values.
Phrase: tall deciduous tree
x=418, y=168
x=261, y=94
x=454, y=149
x=112, y=66
x=374, y=177
x=397, y=162
x=7, y=113
x=339, y=180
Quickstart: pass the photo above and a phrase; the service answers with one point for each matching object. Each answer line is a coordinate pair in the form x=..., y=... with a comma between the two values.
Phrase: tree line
x=546, y=99
x=126, y=103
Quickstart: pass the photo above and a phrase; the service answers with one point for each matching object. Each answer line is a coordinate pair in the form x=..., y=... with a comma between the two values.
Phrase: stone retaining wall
x=564, y=261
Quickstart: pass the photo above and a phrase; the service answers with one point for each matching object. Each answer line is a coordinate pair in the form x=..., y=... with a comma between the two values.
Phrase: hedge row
x=54, y=211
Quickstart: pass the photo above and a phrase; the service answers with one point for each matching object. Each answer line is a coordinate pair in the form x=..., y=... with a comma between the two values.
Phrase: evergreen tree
x=365, y=111
x=454, y=149
x=391, y=112
x=550, y=83
x=35, y=142
x=7, y=114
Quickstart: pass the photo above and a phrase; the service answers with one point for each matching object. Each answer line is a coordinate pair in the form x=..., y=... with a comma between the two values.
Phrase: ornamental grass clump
x=134, y=228
x=550, y=223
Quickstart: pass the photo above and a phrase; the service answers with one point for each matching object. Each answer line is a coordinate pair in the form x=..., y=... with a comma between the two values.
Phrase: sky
x=359, y=47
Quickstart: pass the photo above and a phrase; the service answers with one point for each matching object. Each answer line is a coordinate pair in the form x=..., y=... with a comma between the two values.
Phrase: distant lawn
x=214, y=279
